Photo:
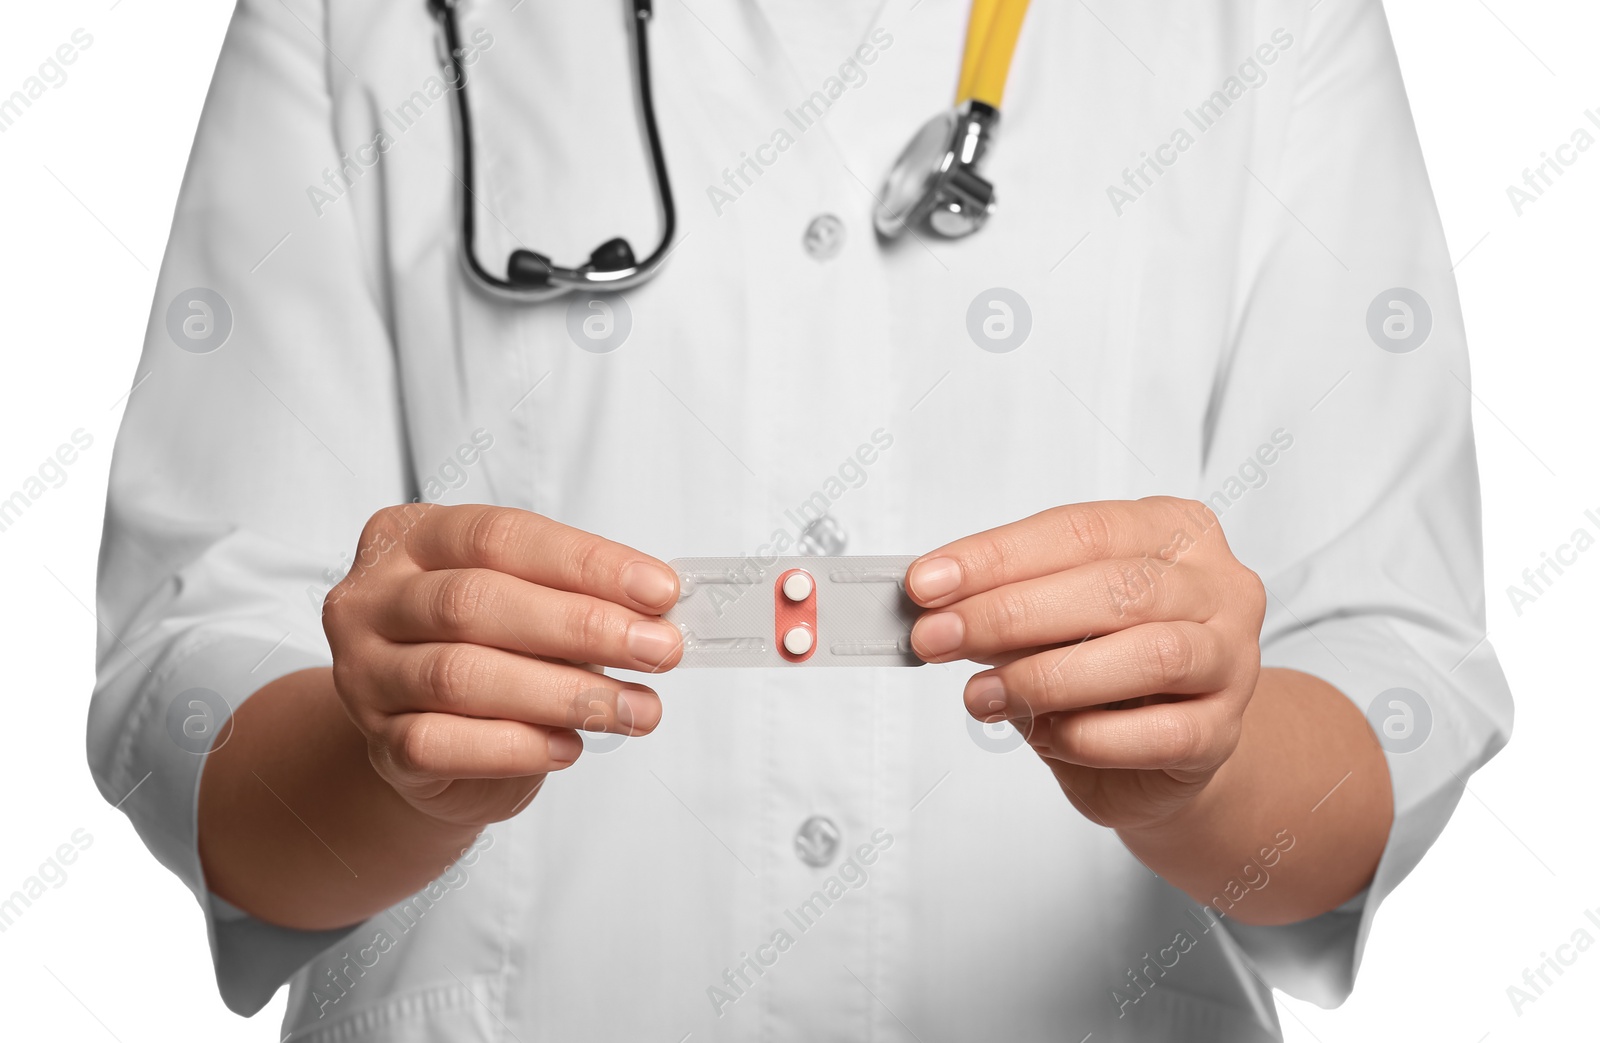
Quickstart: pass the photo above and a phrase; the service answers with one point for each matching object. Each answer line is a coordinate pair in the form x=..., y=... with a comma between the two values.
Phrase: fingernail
x=648, y=584
x=932, y=579
x=652, y=641
x=564, y=748
x=638, y=710
x=987, y=697
x=938, y=634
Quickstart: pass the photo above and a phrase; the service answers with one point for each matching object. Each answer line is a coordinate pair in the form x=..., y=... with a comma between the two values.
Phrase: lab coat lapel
x=807, y=42
x=814, y=36
x=873, y=69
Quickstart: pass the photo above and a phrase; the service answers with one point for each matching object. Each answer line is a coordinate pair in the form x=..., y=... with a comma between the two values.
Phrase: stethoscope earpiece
x=613, y=255
x=527, y=269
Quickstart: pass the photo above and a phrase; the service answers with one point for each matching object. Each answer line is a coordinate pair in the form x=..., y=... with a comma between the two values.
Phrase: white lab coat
x=1175, y=330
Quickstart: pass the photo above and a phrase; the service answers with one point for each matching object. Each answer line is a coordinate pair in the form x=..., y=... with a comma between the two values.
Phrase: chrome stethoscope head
x=531, y=276
x=936, y=178
x=935, y=182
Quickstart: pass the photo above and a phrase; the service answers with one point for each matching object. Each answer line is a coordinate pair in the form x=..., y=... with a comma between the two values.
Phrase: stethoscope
x=934, y=185
x=531, y=276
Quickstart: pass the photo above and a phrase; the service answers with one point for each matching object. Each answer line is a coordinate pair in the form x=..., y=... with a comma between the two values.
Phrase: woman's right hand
x=456, y=638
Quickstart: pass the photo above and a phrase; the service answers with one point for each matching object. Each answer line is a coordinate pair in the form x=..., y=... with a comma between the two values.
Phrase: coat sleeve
x=1340, y=459
x=261, y=431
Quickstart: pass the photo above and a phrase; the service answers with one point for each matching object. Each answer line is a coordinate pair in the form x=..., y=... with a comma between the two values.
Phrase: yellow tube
x=986, y=63
x=978, y=20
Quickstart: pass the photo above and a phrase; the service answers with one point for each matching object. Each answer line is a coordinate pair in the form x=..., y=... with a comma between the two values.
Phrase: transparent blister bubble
x=794, y=611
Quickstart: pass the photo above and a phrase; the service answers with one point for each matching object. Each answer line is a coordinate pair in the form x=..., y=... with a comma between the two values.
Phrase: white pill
x=797, y=640
x=798, y=586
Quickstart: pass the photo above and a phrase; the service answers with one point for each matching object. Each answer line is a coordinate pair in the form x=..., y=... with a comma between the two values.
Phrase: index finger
x=539, y=550
x=1055, y=540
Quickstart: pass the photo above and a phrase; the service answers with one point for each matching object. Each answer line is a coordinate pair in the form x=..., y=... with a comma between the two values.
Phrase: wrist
x=1181, y=823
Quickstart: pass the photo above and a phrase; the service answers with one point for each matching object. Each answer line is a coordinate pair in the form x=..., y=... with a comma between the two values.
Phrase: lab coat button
x=817, y=841
x=824, y=237
x=823, y=537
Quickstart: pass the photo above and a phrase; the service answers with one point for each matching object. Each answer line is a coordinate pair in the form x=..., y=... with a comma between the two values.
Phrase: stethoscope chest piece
x=936, y=179
x=935, y=182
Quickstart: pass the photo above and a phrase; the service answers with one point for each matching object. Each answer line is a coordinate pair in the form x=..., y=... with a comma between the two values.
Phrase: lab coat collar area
x=799, y=854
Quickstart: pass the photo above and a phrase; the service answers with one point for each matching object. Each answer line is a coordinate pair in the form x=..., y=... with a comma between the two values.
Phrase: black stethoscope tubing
x=529, y=275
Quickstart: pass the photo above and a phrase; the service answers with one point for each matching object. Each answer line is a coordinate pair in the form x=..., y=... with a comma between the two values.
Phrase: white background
x=89, y=176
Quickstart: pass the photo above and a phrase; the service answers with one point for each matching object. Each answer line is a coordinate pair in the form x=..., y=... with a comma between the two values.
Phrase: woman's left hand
x=1125, y=638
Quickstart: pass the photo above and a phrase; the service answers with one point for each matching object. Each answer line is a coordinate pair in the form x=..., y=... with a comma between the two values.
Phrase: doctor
x=1182, y=436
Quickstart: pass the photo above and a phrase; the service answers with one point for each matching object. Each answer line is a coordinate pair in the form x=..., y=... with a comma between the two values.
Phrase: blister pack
x=794, y=611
